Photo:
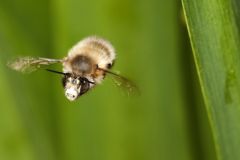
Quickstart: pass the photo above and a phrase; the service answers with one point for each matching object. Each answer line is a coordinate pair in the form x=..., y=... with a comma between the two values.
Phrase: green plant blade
x=214, y=35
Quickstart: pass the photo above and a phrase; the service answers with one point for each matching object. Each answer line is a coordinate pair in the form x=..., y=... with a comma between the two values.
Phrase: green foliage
x=213, y=27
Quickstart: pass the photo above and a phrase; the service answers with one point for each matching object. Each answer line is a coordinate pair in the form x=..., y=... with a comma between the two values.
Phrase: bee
x=85, y=66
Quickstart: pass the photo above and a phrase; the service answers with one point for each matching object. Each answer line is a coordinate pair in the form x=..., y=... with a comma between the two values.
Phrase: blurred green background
x=167, y=121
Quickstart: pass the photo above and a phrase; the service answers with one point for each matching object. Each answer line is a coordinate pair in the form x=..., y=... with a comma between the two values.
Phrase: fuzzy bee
x=85, y=66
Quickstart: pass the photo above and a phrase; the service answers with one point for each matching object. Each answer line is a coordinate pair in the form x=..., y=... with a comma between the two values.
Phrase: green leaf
x=214, y=35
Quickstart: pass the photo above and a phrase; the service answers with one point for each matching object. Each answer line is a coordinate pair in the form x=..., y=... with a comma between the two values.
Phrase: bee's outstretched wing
x=30, y=64
x=129, y=87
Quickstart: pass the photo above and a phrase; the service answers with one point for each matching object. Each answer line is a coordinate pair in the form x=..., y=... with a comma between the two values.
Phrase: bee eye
x=84, y=86
x=64, y=81
x=83, y=81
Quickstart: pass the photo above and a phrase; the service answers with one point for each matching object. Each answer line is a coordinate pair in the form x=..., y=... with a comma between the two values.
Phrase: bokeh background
x=167, y=121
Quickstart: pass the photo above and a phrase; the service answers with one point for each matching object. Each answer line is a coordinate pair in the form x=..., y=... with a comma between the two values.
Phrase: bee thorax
x=82, y=63
x=79, y=65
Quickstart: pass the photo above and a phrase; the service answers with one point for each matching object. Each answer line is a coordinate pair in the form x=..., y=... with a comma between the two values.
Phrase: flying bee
x=85, y=66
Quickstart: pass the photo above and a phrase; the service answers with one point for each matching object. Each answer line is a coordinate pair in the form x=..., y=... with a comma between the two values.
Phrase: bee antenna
x=91, y=82
x=55, y=71
x=110, y=72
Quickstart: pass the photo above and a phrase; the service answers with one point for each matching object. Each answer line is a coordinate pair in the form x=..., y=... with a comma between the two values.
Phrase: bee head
x=75, y=86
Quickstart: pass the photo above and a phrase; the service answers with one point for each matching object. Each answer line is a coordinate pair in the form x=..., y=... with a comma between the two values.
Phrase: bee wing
x=127, y=85
x=31, y=64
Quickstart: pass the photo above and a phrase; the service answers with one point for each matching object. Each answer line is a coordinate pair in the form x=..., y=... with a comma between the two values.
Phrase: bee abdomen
x=99, y=50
